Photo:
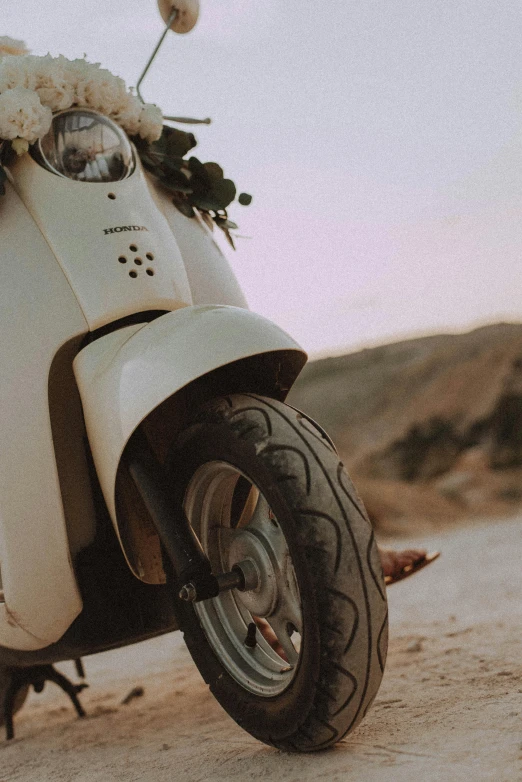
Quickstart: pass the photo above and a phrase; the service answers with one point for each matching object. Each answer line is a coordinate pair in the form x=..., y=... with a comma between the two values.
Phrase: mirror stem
x=186, y=120
x=170, y=20
x=189, y=120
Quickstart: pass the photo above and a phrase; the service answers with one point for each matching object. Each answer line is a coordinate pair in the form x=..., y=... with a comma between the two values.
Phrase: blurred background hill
x=430, y=429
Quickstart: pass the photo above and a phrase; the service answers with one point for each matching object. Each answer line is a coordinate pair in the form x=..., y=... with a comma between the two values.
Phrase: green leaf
x=244, y=199
x=172, y=164
x=223, y=192
x=214, y=171
x=223, y=222
x=149, y=161
x=176, y=180
x=177, y=142
x=153, y=162
x=176, y=187
x=200, y=181
x=204, y=202
x=184, y=207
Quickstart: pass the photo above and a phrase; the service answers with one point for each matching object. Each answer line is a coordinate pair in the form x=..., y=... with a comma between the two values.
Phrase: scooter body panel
x=113, y=243
x=209, y=273
x=62, y=280
x=39, y=314
x=125, y=375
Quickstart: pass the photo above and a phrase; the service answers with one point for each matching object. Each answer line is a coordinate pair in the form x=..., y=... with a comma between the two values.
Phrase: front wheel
x=298, y=660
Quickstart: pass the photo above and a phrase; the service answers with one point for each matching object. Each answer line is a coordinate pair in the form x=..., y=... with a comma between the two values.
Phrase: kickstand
x=37, y=675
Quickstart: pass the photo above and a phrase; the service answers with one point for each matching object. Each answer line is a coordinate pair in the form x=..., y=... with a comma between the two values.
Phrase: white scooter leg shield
x=125, y=375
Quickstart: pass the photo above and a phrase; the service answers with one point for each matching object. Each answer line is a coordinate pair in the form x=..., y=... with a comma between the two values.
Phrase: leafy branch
x=192, y=184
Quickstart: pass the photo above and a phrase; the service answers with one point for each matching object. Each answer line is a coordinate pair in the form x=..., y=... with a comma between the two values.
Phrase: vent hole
x=112, y=196
x=138, y=261
x=150, y=272
x=150, y=256
x=122, y=259
x=133, y=274
x=133, y=248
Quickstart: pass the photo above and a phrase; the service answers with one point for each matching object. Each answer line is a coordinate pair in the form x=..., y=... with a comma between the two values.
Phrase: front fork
x=192, y=568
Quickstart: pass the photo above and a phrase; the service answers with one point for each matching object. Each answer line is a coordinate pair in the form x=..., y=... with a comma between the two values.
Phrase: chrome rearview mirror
x=180, y=15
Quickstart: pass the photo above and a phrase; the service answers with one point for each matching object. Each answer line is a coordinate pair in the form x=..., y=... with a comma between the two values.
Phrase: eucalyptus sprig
x=192, y=184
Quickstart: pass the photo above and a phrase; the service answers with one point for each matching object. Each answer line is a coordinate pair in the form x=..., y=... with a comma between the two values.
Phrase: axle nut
x=188, y=593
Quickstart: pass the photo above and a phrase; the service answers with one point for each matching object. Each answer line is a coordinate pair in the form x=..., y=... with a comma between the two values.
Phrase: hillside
x=430, y=428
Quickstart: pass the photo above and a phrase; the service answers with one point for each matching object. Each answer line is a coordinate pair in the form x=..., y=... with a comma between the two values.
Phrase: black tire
x=336, y=564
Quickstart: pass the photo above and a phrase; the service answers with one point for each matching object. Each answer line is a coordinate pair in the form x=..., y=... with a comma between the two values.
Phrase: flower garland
x=33, y=88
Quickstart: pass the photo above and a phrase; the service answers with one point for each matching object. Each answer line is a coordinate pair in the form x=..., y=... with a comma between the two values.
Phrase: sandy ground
x=450, y=707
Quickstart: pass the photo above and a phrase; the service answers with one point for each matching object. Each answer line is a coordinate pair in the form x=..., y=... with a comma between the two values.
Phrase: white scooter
x=151, y=476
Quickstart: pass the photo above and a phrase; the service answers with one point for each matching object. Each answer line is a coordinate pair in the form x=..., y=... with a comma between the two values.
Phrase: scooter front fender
x=125, y=375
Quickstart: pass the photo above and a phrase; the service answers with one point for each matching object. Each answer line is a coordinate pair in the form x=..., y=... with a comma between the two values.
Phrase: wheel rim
x=247, y=533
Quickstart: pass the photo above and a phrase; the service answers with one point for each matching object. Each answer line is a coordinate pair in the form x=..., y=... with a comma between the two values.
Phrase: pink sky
x=381, y=142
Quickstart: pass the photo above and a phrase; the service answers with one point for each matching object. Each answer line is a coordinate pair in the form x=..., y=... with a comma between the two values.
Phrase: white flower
x=151, y=122
x=100, y=90
x=129, y=115
x=8, y=46
x=53, y=82
x=16, y=72
x=22, y=115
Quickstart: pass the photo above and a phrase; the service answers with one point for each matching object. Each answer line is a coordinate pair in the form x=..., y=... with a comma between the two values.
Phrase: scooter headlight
x=85, y=146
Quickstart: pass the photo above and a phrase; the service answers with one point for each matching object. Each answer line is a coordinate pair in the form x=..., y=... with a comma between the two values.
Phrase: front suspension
x=195, y=580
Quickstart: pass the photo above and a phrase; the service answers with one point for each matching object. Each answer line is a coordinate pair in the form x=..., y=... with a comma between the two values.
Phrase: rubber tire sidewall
x=282, y=712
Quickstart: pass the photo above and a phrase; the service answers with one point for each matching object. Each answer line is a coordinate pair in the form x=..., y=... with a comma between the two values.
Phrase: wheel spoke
x=249, y=507
x=260, y=518
x=265, y=525
x=284, y=631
